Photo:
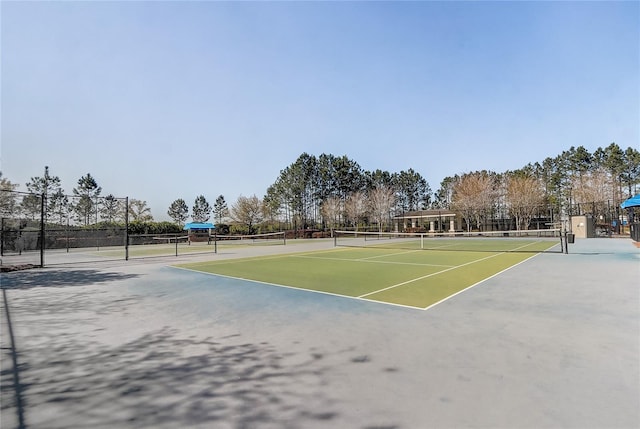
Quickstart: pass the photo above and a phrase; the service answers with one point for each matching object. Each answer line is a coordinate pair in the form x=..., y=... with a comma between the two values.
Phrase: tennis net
x=253, y=239
x=539, y=240
x=156, y=239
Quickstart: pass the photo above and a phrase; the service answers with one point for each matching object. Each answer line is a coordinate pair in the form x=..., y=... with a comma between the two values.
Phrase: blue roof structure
x=199, y=225
x=631, y=202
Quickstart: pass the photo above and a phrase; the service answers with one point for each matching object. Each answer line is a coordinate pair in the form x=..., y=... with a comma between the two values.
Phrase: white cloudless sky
x=167, y=100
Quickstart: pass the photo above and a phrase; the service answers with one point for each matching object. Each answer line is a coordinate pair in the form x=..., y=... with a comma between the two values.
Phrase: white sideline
x=444, y=271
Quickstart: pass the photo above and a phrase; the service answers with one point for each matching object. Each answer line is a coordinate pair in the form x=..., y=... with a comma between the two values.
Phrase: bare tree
x=247, y=211
x=355, y=207
x=475, y=195
x=332, y=210
x=524, y=195
x=381, y=201
x=139, y=211
x=8, y=198
x=592, y=191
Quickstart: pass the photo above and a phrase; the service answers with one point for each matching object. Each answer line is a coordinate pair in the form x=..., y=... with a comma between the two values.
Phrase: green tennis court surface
x=179, y=245
x=151, y=250
x=413, y=278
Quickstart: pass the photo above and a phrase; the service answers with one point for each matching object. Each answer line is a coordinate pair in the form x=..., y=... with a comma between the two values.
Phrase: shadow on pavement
x=159, y=380
x=58, y=278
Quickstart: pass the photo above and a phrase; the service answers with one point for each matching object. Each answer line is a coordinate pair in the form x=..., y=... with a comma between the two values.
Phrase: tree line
x=86, y=206
x=574, y=182
x=328, y=191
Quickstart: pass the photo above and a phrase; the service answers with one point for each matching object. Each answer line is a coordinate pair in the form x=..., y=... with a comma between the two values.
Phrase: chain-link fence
x=60, y=228
x=21, y=228
x=608, y=217
x=44, y=230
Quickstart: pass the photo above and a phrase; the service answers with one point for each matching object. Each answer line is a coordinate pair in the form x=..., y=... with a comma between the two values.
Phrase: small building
x=428, y=220
x=199, y=231
x=583, y=226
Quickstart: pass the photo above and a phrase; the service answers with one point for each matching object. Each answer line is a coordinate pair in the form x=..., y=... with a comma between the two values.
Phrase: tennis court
x=148, y=246
x=550, y=343
x=394, y=269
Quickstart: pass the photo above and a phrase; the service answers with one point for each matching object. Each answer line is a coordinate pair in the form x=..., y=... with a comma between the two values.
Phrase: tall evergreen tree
x=178, y=211
x=87, y=193
x=31, y=206
x=413, y=191
x=201, y=211
x=111, y=209
x=58, y=206
x=631, y=169
x=220, y=210
x=46, y=185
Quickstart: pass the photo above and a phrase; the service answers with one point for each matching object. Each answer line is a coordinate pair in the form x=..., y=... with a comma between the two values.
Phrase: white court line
x=404, y=252
x=429, y=275
x=367, y=260
x=442, y=271
x=477, y=283
x=362, y=297
x=299, y=288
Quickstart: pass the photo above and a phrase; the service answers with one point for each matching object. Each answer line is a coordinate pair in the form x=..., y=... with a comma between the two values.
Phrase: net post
x=42, y=228
x=284, y=238
x=215, y=241
x=176, y=238
x=126, y=229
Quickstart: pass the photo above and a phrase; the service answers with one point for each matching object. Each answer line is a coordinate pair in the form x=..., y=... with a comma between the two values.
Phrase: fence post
x=126, y=229
x=67, y=232
x=2, y=238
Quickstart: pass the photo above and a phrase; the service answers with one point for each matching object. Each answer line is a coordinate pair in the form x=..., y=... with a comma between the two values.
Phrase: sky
x=167, y=100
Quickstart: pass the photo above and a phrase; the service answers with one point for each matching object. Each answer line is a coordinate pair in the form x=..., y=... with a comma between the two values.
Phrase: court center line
x=404, y=252
x=440, y=272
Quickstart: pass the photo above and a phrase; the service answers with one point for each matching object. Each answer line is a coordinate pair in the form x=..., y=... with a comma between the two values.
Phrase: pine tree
x=112, y=209
x=220, y=210
x=178, y=211
x=87, y=191
x=201, y=211
x=47, y=185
